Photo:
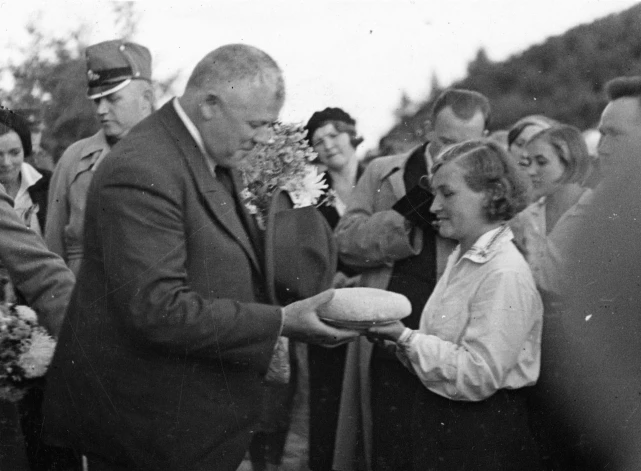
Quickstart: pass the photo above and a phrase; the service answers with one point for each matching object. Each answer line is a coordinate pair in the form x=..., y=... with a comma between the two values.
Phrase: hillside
x=562, y=78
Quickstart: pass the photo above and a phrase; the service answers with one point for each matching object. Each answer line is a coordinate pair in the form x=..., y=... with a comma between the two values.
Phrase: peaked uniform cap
x=112, y=65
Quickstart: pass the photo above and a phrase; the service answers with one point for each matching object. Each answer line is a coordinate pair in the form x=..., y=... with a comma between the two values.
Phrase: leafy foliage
x=562, y=78
x=51, y=76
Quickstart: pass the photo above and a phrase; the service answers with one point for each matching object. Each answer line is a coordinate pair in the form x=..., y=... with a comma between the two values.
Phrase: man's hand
x=301, y=323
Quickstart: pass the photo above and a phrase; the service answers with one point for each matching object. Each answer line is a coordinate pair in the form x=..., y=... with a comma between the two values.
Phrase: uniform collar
x=95, y=146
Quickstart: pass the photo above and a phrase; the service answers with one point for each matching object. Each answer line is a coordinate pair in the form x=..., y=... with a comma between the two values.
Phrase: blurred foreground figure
x=44, y=281
x=592, y=399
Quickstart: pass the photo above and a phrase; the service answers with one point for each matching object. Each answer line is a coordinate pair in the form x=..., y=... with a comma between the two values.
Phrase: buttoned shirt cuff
x=406, y=337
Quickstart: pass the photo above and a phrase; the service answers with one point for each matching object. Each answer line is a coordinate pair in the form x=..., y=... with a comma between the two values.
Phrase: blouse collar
x=486, y=246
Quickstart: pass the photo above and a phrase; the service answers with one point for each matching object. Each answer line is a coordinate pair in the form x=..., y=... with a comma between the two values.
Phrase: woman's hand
x=386, y=332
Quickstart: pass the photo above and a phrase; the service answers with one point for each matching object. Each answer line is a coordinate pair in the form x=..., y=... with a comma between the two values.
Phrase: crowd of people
x=518, y=257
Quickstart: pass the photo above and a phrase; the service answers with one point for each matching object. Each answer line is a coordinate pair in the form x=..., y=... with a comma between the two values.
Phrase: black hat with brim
x=300, y=251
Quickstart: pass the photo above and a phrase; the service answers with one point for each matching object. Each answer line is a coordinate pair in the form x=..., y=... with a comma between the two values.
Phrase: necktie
x=224, y=177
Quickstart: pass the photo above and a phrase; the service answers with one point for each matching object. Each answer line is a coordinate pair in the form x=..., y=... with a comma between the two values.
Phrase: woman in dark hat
x=332, y=133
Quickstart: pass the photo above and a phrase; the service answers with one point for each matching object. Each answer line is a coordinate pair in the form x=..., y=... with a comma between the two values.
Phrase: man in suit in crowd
x=400, y=252
x=119, y=80
x=168, y=334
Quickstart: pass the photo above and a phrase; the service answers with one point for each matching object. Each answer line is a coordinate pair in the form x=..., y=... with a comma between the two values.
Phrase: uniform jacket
x=39, y=275
x=371, y=237
x=68, y=194
x=161, y=357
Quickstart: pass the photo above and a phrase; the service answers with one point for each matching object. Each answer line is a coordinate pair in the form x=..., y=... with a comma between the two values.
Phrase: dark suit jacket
x=161, y=355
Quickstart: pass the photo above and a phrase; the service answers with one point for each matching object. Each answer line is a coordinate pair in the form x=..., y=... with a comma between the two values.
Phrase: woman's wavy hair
x=569, y=145
x=490, y=169
x=13, y=122
x=527, y=121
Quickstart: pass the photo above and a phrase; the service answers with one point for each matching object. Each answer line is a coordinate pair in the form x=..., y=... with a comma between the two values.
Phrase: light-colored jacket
x=372, y=237
x=68, y=195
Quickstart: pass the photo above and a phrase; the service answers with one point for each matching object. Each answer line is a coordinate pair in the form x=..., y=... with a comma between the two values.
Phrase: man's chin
x=113, y=133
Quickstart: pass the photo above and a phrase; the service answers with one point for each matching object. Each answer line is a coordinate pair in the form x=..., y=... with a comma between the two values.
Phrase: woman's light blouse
x=480, y=330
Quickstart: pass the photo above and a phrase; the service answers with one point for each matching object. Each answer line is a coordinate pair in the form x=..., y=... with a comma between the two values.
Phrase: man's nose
x=5, y=160
x=262, y=135
x=602, y=147
x=102, y=106
x=436, y=205
x=530, y=169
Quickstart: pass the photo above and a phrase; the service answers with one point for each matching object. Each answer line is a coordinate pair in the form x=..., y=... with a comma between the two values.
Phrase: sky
x=359, y=55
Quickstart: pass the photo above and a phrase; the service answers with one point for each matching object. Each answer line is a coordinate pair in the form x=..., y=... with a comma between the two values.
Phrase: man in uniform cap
x=119, y=82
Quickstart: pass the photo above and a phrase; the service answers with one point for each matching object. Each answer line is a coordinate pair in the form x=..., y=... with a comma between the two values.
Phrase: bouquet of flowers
x=26, y=350
x=283, y=162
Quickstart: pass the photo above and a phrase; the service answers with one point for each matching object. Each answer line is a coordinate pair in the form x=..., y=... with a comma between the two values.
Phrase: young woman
x=478, y=343
x=520, y=133
x=557, y=163
x=332, y=133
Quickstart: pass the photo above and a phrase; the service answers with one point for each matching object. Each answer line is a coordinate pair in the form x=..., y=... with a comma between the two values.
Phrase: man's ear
x=208, y=105
x=150, y=98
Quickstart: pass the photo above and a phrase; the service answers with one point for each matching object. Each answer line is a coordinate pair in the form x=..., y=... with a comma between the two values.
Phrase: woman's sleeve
x=501, y=335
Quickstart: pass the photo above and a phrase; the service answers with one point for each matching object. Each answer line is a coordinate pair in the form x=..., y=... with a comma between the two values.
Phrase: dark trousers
x=393, y=391
x=326, y=367
x=42, y=457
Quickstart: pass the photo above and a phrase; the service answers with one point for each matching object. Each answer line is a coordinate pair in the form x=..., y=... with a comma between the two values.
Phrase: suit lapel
x=215, y=197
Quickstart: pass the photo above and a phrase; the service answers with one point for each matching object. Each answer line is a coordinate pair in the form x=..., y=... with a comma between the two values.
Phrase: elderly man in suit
x=161, y=358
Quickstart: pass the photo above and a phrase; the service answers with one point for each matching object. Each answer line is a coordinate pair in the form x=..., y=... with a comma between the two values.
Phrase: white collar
x=191, y=127
x=29, y=177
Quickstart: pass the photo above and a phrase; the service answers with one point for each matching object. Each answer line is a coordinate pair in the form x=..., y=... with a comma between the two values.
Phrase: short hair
x=622, y=87
x=527, y=121
x=13, y=122
x=464, y=103
x=569, y=145
x=490, y=169
x=236, y=62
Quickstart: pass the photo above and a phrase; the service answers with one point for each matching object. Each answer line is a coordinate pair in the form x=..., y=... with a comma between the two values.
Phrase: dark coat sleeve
x=171, y=270
x=38, y=274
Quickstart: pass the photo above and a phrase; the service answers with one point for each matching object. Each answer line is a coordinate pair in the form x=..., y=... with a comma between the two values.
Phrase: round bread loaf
x=366, y=305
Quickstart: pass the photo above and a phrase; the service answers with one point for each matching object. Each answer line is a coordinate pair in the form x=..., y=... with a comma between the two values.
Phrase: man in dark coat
x=167, y=337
